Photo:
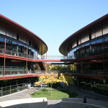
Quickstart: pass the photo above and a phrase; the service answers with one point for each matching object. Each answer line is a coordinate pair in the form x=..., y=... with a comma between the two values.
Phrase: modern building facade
x=88, y=51
x=19, y=50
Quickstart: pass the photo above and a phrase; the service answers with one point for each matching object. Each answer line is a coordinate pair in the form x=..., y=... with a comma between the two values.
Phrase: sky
x=53, y=20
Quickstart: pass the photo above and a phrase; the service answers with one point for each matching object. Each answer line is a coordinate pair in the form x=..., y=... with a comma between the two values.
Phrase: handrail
x=16, y=71
x=12, y=88
x=15, y=53
x=22, y=71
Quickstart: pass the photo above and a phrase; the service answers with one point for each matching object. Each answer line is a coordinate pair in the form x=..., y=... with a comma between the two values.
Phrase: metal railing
x=16, y=70
x=12, y=89
x=13, y=73
x=16, y=53
x=10, y=52
x=90, y=73
x=44, y=72
x=56, y=57
x=12, y=70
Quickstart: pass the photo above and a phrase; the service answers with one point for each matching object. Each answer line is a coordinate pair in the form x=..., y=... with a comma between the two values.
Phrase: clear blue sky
x=53, y=20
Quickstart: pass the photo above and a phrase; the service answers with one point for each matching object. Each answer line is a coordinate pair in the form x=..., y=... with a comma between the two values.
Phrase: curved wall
x=19, y=60
x=92, y=47
x=93, y=30
x=15, y=31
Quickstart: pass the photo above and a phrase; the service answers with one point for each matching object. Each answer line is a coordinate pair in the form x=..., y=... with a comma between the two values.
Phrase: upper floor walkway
x=20, y=72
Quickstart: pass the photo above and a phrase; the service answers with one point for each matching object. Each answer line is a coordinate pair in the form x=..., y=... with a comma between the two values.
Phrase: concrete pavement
x=90, y=95
x=53, y=103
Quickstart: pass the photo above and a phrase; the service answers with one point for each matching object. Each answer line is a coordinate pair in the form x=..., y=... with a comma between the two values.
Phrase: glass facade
x=87, y=52
x=17, y=48
x=2, y=41
x=93, y=47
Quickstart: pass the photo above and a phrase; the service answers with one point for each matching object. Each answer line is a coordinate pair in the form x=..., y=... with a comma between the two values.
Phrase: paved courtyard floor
x=53, y=103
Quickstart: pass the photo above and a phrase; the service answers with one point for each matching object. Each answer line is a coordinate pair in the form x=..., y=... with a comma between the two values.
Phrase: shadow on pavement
x=54, y=105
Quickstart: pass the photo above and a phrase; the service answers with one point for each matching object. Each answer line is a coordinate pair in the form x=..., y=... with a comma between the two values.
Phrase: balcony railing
x=90, y=73
x=12, y=88
x=14, y=53
x=15, y=71
x=56, y=57
x=10, y=52
x=12, y=70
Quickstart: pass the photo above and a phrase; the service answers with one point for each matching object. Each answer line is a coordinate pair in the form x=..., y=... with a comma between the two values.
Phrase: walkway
x=91, y=95
x=53, y=103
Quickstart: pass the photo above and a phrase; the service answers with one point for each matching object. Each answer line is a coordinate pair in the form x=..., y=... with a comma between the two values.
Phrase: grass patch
x=57, y=95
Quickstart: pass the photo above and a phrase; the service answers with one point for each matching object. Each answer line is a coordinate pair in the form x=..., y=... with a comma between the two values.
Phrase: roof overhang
x=38, y=43
x=66, y=46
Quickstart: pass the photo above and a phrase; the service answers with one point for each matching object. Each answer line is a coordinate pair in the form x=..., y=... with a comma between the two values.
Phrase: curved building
x=19, y=50
x=88, y=50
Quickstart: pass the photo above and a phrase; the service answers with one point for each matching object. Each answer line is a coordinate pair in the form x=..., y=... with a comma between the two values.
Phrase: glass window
x=105, y=48
x=31, y=52
x=1, y=39
x=93, y=50
x=99, y=49
x=99, y=40
x=83, y=52
x=1, y=45
x=8, y=44
x=106, y=38
x=87, y=51
x=72, y=53
x=78, y=54
x=14, y=45
x=21, y=49
x=86, y=44
x=93, y=42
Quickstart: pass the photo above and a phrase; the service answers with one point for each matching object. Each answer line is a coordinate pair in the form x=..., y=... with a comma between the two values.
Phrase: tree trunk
x=48, y=87
x=51, y=91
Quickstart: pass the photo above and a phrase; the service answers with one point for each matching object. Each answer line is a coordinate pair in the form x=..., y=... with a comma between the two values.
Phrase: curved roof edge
x=63, y=48
x=34, y=36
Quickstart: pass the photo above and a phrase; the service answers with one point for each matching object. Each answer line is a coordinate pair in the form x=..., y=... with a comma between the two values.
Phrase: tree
x=69, y=79
x=62, y=78
x=43, y=79
x=51, y=78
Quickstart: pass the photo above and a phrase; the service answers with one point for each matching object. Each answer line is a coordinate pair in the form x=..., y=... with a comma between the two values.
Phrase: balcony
x=12, y=70
x=56, y=57
x=96, y=73
x=14, y=53
x=16, y=71
x=92, y=50
x=10, y=52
